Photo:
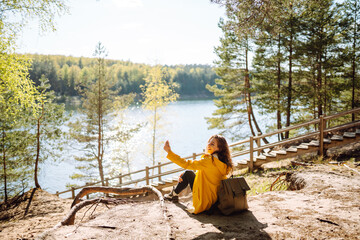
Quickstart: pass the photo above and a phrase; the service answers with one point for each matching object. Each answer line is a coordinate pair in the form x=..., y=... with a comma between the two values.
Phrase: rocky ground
x=327, y=207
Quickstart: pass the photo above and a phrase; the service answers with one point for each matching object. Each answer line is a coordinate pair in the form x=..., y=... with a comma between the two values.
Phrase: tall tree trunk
x=278, y=111
x=353, y=87
x=289, y=90
x=247, y=93
x=4, y=164
x=251, y=115
x=354, y=64
x=99, y=157
x=37, y=185
x=325, y=88
x=319, y=85
x=316, y=92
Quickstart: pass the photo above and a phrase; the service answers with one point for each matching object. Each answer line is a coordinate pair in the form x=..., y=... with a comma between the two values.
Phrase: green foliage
x=65, y=73
x=158, y=92
x=305, y=64
x=16, y=14
x=16, y=157
x=230, y=87
x=18, y=96
x=15, y=86
x=17, y=101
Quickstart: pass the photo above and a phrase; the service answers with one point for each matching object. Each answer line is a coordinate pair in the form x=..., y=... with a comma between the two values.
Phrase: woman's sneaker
x=172, y=196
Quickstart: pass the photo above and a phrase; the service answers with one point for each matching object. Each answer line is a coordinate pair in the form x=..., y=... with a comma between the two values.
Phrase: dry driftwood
x=114, y=190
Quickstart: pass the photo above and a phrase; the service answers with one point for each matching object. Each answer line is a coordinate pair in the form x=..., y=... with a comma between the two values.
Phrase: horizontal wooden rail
x=314, y=134
x=315, y=121
x=167, y=173
x=287, y=141
x=337, y=128
x=354, y=110
x=240, y=142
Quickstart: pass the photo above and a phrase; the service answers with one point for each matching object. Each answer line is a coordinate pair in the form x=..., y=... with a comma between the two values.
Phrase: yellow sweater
x=208, y=176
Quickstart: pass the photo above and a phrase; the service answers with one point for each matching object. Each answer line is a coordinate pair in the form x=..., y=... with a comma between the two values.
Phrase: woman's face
x=212, y=146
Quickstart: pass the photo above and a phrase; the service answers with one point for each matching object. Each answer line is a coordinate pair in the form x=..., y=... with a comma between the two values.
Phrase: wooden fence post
x=194, y=156
x=72, y=192
x=57, y=193
x=321, y=137
x=159, y=171
x=120, y=179
x=87, y=184
x=147, y=175
x=251, y=167
x=107, y=184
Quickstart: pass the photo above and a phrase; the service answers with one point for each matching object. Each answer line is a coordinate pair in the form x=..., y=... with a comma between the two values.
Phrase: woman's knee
x=188, y=173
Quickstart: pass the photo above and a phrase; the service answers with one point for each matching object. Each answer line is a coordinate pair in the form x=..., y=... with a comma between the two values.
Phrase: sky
x=166, y=32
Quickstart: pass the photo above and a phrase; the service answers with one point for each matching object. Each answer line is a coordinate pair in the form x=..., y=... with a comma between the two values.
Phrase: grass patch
x=260, y=180
x=261, y=184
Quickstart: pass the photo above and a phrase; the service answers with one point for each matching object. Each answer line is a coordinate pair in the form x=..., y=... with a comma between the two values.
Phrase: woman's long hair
x=224, y=151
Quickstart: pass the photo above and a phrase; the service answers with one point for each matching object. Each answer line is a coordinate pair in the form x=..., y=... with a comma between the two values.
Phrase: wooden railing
x=319, y=132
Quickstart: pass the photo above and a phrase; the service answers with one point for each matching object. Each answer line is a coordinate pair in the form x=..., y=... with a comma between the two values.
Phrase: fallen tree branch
x=327, y=221
x=118, y=191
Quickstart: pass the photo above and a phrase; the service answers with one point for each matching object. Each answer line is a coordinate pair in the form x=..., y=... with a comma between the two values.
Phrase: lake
x=183, y=123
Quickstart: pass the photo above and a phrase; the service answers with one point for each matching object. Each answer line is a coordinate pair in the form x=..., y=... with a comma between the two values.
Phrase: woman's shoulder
x=210, y=156
x=206, y=156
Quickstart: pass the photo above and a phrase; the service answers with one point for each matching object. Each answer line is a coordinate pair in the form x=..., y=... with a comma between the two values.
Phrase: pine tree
x=234, y=88
x=319, y=54
x=351, y=31
x=230, y=87
x=275, y=60
x=99, y=103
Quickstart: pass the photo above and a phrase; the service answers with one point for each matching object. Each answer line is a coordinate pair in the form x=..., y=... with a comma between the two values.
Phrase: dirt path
x=327, y=207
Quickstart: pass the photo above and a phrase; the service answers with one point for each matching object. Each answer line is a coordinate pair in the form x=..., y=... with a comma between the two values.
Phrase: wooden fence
x=320, y=128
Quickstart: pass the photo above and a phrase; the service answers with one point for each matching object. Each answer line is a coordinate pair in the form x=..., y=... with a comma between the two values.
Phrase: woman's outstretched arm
x=187, y=164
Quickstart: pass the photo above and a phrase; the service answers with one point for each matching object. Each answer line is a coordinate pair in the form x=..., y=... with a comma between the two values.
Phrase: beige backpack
x=232, y=195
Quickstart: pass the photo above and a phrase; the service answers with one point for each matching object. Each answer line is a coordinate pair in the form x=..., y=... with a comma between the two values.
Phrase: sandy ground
x=328, y=207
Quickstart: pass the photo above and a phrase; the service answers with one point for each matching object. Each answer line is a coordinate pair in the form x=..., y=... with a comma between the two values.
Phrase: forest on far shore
x=65, y=72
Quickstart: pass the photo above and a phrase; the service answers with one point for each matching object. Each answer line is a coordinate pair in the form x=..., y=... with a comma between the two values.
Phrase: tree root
x=118, y=191
x=77, y=205
x=293, y=180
